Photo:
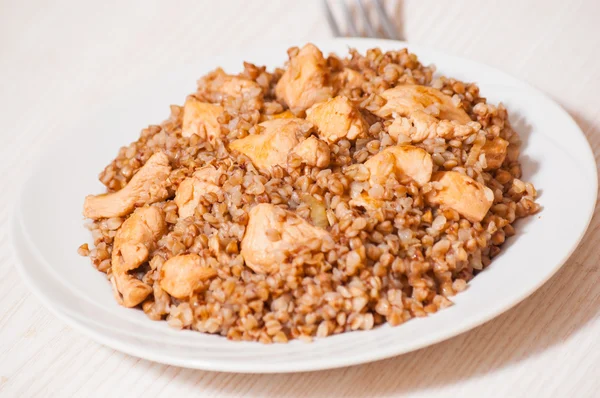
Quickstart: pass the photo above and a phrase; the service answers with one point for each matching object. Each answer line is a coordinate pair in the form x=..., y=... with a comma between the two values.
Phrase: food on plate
x=333, y=195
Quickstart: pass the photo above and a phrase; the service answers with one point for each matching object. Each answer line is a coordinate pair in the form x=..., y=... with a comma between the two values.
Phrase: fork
x=384, y=28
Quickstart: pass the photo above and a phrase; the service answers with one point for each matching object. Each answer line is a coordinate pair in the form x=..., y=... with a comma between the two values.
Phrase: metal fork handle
x=386, y=23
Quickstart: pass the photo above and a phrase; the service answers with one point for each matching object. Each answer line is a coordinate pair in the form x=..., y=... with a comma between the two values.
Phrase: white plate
x=48, y=227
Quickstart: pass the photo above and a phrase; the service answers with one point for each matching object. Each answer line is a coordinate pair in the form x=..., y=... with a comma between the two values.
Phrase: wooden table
x=61, y=58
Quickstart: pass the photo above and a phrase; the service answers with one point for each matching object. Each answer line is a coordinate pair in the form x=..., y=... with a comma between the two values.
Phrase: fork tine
x=349, y=20
x=335, y=29
x=367, y=22
x=387, y=25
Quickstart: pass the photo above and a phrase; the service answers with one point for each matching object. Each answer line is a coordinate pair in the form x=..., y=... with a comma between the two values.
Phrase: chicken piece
x=337, y=118
x=495, y=152
x=272, y=146
x=420, y=126
x=282, y=115
x=408, y=98
x=218, y=85
x=422, y=112
x=136, y=237
x=313, y=152
x=201, y=118
x=147, y=186
x=273, y=234
x=305, y=81
x=348, y=78
x=192, y=189
x=208, y=174
x=402, y=161
x=133, y=243
x=461, y=193
x=189, y=193
x=130, y=291
x=181, y=275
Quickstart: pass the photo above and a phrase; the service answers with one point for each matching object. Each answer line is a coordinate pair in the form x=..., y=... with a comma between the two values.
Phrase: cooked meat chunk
x=181, y=275
x=218, y=85
x=133, y=243
x=408, y=98
x=495, y=152
x=421, y=126
x=422, y=112
x=313, y=152
x=273, y=234
x=305, y=81
x=201, y=118
x=418, y=126
x=272, y=146
x=402, y=161
x=337, y=118
x=147, y=186
x=208, y=174
x=282, y=115
x=348, y=78
x=461, y=193
x=189, y=193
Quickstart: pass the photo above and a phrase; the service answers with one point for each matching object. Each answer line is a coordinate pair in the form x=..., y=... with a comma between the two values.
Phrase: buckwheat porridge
x=334, y=195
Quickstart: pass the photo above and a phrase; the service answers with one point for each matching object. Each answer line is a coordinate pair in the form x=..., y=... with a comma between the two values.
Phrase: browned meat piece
x=272, y=146
x=181, y=275
x=201, y=118
x=422, y=112
x=402, y=161
x=313, y=152
x=218, y=85
x=133, y=243
x=305, y=81
x=337, y=118
x=147, y=186
x=495, y=152
x=348, y=78
x=408, y=98
x=273, y=234
x=461, y=193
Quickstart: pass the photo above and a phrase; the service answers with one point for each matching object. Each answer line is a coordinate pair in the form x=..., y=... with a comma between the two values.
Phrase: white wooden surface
x=61, y=58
